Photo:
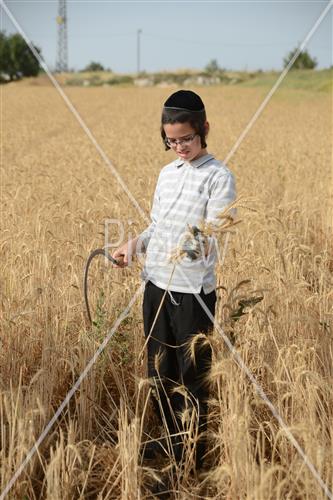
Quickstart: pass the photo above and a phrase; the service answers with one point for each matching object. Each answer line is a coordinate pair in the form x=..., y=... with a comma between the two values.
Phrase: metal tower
x=62, y=56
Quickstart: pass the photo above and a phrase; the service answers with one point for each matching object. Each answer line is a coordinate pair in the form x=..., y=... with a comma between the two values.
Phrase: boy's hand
x=121, y=256
x=196, y=244
x=124, y=253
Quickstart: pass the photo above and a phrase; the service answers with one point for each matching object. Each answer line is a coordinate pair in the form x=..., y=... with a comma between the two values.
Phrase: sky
x=240, y=35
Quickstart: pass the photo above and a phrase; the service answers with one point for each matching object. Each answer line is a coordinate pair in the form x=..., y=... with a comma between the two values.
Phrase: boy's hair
x=185, y=106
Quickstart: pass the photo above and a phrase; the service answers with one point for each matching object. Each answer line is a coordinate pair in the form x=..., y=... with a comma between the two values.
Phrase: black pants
x=178, y=366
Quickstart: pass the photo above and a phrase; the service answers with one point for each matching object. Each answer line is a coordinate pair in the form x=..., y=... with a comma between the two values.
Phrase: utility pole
x=62, y=57
x=138, y=50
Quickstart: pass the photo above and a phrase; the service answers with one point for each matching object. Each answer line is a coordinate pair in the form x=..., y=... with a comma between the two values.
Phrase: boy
x=192, y=188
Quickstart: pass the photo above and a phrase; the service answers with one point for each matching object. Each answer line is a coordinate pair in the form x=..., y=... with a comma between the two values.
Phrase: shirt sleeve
x=145, y=236
x=223, y=192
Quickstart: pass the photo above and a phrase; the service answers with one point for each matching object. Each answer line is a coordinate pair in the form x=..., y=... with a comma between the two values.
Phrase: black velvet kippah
x=186, y=100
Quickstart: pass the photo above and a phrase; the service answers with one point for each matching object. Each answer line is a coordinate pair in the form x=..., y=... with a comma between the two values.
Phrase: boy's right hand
x=121, y=256
x=124, y=253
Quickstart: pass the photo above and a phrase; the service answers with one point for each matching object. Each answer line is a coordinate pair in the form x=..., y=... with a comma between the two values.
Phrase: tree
x=4, y=54
x=16, y=58
x=213, y=67
x=94, y=66
x=302, y=61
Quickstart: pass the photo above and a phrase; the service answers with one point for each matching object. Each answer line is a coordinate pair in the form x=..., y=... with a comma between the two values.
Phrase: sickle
x=98, y=251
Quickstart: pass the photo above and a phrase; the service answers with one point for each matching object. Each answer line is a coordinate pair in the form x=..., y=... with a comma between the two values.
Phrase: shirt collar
x=194, y=163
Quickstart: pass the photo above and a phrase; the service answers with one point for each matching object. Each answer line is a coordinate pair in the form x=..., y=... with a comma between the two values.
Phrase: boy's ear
x=206, y=127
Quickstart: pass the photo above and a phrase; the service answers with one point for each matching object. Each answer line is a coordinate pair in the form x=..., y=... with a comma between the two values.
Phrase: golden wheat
x=56, y=194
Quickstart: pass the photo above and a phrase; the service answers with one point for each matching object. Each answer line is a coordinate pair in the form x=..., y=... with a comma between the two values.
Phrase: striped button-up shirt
x=186, y=193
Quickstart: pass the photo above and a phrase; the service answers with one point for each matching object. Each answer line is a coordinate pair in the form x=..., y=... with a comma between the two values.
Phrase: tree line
x=17, y=60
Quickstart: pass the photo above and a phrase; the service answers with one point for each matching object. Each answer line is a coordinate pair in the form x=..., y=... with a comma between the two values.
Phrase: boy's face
x=190, y=150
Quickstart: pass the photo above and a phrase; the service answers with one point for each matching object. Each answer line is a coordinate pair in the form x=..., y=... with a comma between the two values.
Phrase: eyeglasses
x=172, y=143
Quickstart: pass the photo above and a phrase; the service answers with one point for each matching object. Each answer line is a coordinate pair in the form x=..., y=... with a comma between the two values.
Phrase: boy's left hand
x=196, y=245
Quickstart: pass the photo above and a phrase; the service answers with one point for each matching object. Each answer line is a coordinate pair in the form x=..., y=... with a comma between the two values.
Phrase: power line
x=219, y=42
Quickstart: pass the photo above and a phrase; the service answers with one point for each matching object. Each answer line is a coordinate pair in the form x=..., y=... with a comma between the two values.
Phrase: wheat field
x=56, y=194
